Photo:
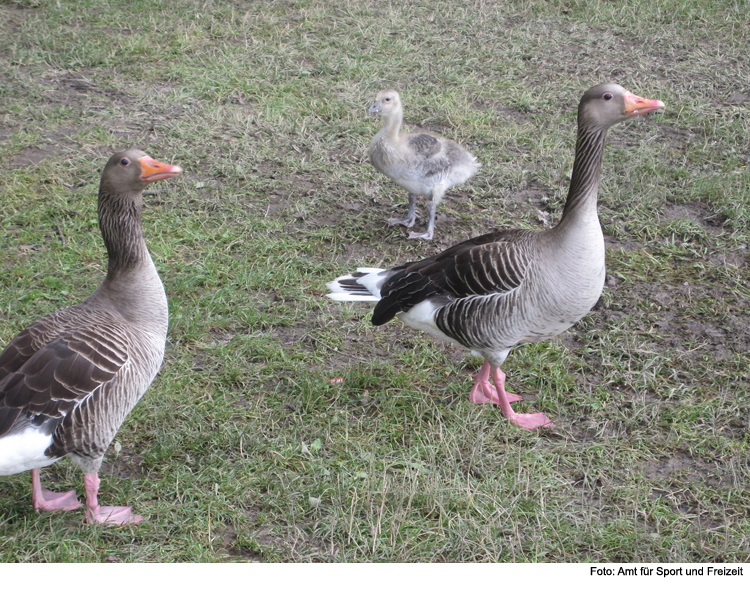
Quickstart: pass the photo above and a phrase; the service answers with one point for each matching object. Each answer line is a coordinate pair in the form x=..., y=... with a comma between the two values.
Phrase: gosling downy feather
x=422, y=163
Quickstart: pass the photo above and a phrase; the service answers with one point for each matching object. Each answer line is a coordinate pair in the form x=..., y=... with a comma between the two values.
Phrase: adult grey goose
x=68, y=381
x=510, y=286
x=421, y=163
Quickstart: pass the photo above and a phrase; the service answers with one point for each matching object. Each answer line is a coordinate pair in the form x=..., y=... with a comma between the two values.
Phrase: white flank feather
x=422, y=317
x=24, y=451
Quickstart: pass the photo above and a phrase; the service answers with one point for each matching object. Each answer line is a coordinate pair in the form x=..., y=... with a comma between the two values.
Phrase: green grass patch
x=243, y=449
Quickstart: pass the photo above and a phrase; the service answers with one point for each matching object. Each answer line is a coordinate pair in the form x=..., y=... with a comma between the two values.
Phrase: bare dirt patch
x=696, y=212
x=688, y=468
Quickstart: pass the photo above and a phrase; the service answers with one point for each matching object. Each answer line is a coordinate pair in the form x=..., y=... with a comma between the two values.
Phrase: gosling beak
x=153, y=170
x=376, y=107
x=635, y=105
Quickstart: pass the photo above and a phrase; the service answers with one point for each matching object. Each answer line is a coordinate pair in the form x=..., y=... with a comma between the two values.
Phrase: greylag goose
x=510, y=286
x=421, y=163
x=68, y=381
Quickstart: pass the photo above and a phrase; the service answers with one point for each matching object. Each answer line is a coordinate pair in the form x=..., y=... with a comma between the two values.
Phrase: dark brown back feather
x=18, y=352
x=57, y=378
x=403, y=290
x=491, y=263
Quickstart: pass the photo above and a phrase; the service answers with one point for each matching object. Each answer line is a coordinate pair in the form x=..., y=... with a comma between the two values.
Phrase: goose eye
x=387, y=99
x=607, y=96
x=124, y=161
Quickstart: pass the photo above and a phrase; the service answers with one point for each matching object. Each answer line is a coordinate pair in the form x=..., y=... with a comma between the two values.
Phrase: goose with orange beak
x=69, y=380
x=510, y=286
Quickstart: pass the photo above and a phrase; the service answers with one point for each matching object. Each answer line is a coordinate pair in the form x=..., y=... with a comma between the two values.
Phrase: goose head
x=386, y=102
x=607, y=104
x=130, y=171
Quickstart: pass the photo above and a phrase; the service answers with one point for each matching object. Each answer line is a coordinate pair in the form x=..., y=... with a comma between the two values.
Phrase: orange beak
x=153, y=170
x=635, y=105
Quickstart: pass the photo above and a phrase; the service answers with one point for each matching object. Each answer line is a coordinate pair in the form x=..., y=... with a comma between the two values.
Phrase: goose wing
x=493, y=263
x=431, y=155
x=424, y=145
x=59, y=376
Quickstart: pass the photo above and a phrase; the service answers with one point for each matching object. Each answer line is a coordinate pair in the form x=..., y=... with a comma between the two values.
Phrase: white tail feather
x=370, y=282
x=351, y=297
x=335, y=287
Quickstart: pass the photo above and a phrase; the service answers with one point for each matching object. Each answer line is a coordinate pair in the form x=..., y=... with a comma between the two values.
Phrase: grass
x=242, y=449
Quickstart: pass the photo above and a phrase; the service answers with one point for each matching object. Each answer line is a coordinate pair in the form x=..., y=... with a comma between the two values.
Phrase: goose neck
x=584, y=184
x=120, y=225
x=392, y=124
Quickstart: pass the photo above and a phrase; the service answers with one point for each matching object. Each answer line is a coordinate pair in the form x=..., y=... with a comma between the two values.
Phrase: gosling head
x=386, y=102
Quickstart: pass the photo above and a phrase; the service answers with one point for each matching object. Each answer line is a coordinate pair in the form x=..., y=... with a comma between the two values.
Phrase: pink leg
x=485, y=393
x=45, y=500
x=106, y=515
x=526, y=421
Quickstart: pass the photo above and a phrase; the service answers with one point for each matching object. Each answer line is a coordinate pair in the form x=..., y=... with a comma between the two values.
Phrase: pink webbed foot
x=525, y=421
x=485, y=393
x=112, y=515
x=47, y=500
x=106, y=515
x=50, y=501
x=531, y=421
